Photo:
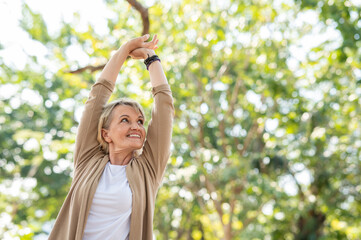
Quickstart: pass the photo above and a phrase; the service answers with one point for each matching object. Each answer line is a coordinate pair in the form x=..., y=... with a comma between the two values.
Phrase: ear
x=106, y=136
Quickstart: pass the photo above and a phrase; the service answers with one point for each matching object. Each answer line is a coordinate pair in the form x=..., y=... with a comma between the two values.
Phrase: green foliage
x=266, y=141
x=34, y=24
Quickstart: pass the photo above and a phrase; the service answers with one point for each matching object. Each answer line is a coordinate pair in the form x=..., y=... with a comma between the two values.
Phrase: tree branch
x=211, y=188
x=234, y=97
x=204, y=208
x=249, y=137
x=222, y=70
x=300, y=191
x=251, y=219
x=222, y=129
x=201, y=127
x=189, y=136
x=228, y=227
x=145, y=19
x=90, y=68
x=234, y=94
x=143, y=13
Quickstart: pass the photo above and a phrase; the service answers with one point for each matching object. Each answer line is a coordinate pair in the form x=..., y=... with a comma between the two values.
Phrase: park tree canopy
x=267, y=133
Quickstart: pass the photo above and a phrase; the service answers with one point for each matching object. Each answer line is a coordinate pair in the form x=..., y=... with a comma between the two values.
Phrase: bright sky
x=16, y=41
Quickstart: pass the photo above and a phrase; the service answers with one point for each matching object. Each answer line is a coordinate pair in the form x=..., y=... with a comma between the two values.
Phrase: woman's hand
x=141, y=53
x=112, y=68
x=140, y=42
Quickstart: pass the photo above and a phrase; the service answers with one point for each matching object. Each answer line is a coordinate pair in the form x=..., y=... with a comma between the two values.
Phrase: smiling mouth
x=133, y=136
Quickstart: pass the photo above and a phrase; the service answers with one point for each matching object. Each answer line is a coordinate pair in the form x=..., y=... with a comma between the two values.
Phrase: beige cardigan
x=144, y=173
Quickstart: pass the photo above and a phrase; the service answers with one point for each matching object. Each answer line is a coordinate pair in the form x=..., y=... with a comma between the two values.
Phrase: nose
x=134, y=126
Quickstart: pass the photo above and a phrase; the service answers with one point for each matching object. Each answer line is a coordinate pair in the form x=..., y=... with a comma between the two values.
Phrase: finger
x=153, y=47
x=152, y=44
x=145, y=37
x=155, y=39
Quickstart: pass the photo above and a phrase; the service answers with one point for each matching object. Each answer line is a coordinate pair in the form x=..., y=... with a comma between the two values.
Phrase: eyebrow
x=124, y=115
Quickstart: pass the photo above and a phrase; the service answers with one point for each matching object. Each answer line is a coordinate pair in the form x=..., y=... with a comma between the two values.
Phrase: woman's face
x=126, y=131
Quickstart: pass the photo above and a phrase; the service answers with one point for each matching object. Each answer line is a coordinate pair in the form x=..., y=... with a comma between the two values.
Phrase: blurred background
x=267, y=134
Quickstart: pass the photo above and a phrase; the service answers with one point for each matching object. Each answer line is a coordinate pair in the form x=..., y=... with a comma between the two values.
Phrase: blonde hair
x=107, y=116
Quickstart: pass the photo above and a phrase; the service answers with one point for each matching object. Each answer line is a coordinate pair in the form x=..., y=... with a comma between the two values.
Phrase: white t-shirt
x=109, y=216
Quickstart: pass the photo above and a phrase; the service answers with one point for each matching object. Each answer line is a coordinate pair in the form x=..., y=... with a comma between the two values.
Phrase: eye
x=124, y=120
x=140, y=121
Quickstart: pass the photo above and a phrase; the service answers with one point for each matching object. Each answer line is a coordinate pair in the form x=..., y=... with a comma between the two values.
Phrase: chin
x=137, y=147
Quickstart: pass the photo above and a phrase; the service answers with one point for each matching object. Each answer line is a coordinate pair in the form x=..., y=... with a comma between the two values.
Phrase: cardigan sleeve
x=156, y=150
x=86, y=144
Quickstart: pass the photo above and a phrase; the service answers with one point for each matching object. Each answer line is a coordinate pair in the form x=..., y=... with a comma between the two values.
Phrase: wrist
x=150, y=53
x=151, y=60
x=125, y=48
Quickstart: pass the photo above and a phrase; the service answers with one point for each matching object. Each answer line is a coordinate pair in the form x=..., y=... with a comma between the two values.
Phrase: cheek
x=119, y=129
x=144, y=131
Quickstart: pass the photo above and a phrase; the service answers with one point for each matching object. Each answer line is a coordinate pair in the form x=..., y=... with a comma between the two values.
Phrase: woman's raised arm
x=86, y=141
x=156, y=149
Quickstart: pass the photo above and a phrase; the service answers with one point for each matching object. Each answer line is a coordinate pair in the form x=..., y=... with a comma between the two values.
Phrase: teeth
x=134, y=135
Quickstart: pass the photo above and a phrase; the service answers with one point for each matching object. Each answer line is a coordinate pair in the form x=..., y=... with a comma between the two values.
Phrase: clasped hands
x=138, y=48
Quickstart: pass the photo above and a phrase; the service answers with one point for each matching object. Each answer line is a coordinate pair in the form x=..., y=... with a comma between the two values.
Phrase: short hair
x=107, y=116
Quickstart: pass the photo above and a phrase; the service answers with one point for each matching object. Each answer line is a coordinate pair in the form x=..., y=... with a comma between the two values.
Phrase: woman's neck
x=120, y=158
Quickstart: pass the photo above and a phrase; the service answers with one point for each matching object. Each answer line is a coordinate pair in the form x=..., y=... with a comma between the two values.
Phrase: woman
x=113, y=192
